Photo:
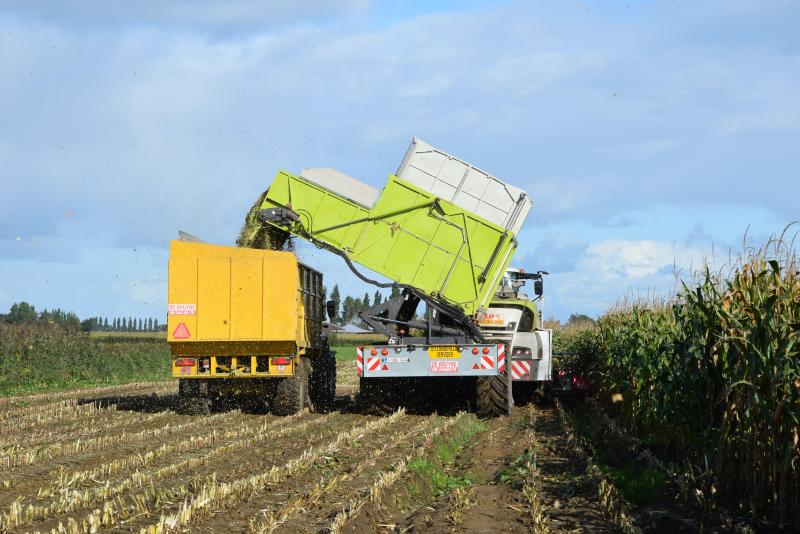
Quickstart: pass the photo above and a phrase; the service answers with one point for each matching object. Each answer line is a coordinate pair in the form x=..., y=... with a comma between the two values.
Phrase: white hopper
x=468, y=187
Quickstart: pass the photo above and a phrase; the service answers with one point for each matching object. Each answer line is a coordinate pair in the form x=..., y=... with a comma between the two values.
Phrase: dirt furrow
x=568, y=494
x=219, y=495
x=320, y=492
x=84, y=454
x=68, y=500
x=373, y=493
x=101, y=422
x=161, y=490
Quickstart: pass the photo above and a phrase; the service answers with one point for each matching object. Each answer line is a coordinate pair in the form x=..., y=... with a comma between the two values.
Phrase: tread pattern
x=492, y=396
x=291, y=395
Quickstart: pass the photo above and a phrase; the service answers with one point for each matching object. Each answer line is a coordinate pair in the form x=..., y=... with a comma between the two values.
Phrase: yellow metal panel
x=280, y=297
x=246, y=297
x=213, y=298
x=182, y=291
x=234, y=301
x=302, y=280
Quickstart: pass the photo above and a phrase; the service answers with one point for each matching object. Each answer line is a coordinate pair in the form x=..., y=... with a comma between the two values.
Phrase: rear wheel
x=291, y=395
x=492, y=396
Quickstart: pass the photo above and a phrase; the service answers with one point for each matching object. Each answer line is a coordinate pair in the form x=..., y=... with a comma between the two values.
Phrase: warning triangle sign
x=475, y=366
x=181, y=332
x=385, y=367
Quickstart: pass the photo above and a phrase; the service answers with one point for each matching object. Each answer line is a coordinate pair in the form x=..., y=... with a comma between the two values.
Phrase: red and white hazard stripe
x=487, y=362
x=520, y=368
x=501, y=358
x=373, y=363
x=360, y=360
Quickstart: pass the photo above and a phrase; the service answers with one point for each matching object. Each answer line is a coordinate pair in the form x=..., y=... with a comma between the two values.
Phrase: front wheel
x=491, y=396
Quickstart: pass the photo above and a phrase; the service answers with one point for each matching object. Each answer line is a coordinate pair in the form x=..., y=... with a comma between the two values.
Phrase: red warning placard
x=181, y=332
x=444, y=366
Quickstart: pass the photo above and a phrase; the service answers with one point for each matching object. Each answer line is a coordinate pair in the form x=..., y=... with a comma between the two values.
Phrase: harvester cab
x=516, y=320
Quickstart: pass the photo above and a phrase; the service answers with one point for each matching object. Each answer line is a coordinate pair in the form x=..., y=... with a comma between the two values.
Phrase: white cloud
x=630, y=261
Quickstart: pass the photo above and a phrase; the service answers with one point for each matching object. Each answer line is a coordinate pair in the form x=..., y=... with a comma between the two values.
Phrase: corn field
x=714, y=377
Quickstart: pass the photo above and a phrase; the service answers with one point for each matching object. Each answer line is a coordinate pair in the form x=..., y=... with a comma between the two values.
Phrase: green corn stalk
x=713, y=376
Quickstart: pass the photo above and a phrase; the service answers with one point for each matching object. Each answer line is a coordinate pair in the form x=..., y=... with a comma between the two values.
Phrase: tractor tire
x=322, y=384
x=491, y=396
x=377, y=396
x=291, y=395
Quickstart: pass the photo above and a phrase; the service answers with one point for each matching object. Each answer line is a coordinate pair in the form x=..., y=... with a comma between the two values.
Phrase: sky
x=651, y=135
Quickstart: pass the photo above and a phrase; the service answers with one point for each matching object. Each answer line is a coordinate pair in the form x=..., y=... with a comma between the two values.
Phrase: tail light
x=385, y=352
x=486, y=350
x=374, y=352
x=185, y=362
x=280, y=360
x=475, y=350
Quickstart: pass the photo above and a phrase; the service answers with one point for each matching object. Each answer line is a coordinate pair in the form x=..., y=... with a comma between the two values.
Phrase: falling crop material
x=255, y=234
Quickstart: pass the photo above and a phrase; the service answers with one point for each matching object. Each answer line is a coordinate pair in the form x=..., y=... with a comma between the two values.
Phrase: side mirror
x=538, y=287
x=330, y=307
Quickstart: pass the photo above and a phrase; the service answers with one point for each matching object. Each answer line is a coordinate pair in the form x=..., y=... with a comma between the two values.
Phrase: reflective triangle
x=181, y=332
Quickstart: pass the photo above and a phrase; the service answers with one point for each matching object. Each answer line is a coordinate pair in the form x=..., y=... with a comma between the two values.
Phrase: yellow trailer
x=247, y=324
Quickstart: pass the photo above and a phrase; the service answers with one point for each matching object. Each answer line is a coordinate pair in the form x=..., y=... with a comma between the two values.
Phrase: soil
x=126, y=453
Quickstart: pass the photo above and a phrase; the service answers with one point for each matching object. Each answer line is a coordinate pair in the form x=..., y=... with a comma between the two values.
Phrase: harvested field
x=121, y=459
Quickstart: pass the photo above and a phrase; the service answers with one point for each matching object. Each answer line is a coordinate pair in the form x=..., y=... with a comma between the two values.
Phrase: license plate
x=444, y=351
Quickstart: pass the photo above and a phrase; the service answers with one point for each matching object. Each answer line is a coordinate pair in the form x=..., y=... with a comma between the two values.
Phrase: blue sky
x=649, y=134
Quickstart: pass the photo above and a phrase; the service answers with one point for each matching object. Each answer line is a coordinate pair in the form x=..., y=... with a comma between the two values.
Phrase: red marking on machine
x=444, y=366
x=520, y=368
x=181, y=309
x=360, y=360
x=181, y=332
x=373, y=363
x=501, y=358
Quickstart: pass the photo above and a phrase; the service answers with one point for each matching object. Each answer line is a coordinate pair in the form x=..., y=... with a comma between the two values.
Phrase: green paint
x=409, y=236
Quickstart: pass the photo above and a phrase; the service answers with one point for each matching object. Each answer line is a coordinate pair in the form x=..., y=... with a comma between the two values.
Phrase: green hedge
x=46, y=356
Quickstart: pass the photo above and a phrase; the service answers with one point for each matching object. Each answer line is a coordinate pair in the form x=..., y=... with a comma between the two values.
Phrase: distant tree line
x=347, y=309
x=23, y=312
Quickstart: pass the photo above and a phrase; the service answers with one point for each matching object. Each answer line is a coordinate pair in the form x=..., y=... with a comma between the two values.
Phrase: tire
x=377, y=396
x=491, y=396
x=291, y=395
x=322, y=384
